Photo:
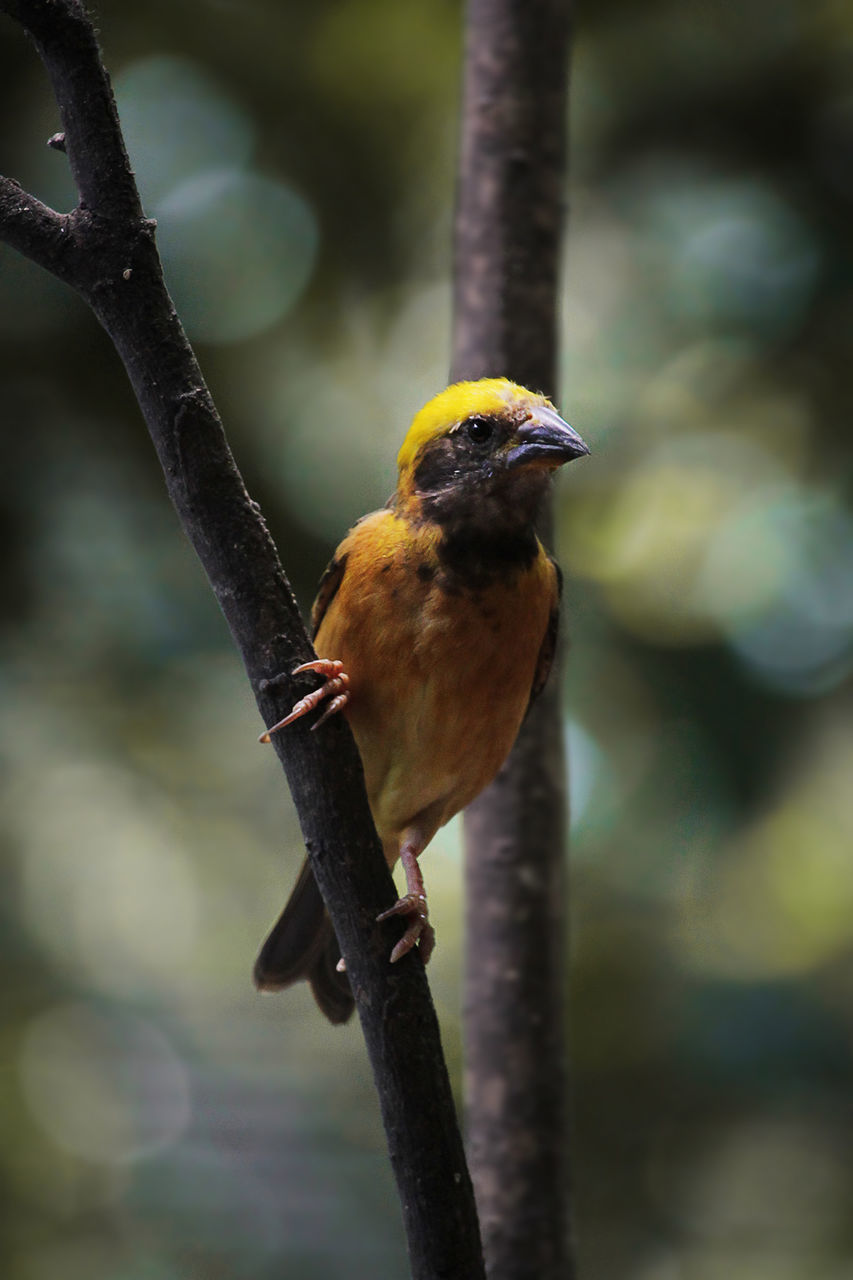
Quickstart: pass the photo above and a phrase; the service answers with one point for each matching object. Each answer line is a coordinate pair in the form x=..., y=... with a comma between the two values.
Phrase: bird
x=435, y=626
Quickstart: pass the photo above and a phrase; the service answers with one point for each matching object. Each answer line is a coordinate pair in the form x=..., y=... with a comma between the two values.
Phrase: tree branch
x=67, y=45
x=36, y=231
x=105, y=249
x=508, y=226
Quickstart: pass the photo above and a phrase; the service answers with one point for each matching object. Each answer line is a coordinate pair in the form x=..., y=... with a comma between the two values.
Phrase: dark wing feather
x=327, y=590
x=549, y=644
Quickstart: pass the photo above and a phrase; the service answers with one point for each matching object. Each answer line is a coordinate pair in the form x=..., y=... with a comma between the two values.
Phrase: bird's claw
x=420, y=931
x=336, y=687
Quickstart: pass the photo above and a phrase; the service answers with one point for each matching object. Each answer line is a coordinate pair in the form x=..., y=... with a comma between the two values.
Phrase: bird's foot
x=420, y=931
x=336, y=687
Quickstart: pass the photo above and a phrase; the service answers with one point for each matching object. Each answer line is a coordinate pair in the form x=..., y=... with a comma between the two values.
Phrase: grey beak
x=545, y=437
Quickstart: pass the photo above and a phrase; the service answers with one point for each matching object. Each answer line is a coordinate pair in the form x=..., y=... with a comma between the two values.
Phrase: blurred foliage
x=158, y=1118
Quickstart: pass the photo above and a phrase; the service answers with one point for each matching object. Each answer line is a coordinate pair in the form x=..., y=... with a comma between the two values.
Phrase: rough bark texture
x=508, y=226
x=106, y=250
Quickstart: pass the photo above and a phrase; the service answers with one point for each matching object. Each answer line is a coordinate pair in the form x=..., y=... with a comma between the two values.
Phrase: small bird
x=435, y=626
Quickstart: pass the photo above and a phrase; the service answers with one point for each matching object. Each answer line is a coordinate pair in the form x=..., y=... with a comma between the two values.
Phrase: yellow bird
x=435, y=626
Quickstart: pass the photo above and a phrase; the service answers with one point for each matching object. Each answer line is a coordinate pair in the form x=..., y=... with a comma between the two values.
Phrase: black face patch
x=464, y=456
x=437, y=467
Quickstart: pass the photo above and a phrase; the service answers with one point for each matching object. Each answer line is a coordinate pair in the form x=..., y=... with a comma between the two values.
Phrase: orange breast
x=440, y=680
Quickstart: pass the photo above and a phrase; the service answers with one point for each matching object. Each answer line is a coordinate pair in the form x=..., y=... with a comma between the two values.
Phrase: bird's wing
x=327, y=590
x=367, y=541
x=549, y=642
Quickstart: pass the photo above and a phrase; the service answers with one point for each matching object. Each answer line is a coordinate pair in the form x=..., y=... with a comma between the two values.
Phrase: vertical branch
x=507, y=246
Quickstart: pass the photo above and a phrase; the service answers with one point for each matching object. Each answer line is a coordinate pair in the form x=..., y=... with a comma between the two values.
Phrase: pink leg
x=413, y=904
x=335, y=688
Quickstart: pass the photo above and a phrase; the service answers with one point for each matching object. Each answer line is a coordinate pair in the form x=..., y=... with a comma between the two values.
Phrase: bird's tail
x=302, y=944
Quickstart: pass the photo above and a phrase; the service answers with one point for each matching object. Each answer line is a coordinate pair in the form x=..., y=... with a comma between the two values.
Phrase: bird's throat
x=472, y=556
x=483, y=526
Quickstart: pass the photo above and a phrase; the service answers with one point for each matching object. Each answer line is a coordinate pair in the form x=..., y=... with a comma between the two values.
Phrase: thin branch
x=508, y=228
x=67, y=45
x=38, y=232
x=115, y=266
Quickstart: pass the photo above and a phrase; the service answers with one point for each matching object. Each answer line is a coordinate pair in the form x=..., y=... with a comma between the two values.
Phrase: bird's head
x=486, y=440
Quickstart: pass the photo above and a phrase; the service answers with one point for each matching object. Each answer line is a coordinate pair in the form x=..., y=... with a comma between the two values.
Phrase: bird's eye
x=479, y=430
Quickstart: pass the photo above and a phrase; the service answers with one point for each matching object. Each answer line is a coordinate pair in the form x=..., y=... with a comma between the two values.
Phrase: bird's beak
x=545, y=438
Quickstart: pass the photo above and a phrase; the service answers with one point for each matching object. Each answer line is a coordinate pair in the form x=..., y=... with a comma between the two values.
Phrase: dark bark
x=106, y=250
x=508, y=230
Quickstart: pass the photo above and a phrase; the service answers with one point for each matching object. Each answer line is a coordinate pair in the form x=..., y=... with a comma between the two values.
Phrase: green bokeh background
x=158, y=1119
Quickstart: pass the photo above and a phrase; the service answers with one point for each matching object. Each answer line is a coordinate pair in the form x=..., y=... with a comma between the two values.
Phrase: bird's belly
x=436, y=707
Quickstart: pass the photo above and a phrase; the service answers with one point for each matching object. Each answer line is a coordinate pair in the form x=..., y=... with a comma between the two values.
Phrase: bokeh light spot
x=238, y=250
x=107, y=885
x=108, y=1088
x=729, y=252
x=178, y=122
x=794, y=629
x=783, y=899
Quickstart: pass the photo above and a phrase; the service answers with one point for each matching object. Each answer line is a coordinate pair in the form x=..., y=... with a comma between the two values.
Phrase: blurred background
x=158, y=1119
